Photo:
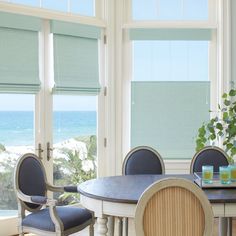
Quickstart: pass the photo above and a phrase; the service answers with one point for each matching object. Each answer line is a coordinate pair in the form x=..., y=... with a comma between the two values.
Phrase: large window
x=170, y=10
x=75, y=141
x=170, y=95
x=86, y=8
x=171, y=83
x=16, y=138
x=49, y=87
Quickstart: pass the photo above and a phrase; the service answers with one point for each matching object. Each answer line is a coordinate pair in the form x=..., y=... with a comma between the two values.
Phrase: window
x=170, y=10
x=170, y=82
x=170, y=95
x=28, y=117
x=16, y=138
x=86, y=8
x=75, y=141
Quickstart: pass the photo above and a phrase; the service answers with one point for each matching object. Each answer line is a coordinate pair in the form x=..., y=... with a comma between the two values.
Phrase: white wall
x=233, y=40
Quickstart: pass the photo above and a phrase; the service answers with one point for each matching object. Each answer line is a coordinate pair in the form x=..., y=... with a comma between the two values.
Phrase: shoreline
x=77, y=144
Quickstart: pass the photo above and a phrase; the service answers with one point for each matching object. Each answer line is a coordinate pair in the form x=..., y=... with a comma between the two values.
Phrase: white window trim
x=219, y=55
x=43, y=100
x=51, y=15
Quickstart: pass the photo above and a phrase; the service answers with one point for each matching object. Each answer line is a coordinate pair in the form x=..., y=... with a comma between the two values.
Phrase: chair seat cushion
x=70, y=217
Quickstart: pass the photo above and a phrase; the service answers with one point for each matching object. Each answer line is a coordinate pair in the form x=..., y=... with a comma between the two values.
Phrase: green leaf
x=212, y=136
x=227, y=102
x=210, y=127
x=233, y=151
x=225, y=116
x=219, y=126
x=232, y=92
x=225, y=95
x=229, y=145
x=202, y=131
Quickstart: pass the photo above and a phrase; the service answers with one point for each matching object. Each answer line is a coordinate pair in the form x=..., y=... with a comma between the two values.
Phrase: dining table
x=118, y=196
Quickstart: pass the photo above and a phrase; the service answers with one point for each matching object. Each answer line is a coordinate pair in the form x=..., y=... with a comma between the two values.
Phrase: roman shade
x=19, y=53
x=167, y=115
x=170, y=34
x=76, y=67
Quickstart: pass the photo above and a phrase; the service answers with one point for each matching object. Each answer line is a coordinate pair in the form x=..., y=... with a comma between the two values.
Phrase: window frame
x=219, y=61
x=43, y=99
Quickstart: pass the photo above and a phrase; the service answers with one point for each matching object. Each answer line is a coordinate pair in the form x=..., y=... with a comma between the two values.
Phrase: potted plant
x=221, y=127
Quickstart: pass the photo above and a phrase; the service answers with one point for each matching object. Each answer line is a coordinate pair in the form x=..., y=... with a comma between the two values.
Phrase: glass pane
x=34, y=3
x=170, y=60
x=170, y=95
x=196, y=9
x=83, y=7
x=60, y=5
x=144, y=9
x=75, y=141
x=170, y=9
x=16, y=138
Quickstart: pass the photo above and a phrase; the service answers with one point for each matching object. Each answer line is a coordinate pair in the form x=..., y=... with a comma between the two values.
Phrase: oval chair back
x=30, y=178
x=210, y=155
x=143, y=160
x=174, y=206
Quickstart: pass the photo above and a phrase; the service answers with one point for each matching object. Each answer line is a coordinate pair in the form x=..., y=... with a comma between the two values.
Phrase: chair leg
x=91, y=230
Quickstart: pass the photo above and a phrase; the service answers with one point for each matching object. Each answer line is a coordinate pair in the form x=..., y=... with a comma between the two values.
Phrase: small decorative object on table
x=207, y=174
x=233, y=173
x=225, y=177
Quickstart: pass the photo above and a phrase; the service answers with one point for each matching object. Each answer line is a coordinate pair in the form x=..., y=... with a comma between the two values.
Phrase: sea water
x=17, y=127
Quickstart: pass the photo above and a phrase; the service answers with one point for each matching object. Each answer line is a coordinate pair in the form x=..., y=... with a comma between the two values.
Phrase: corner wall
x=233, y=42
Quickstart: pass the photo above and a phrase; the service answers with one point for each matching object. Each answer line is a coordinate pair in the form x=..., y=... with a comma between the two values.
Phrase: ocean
x=17, y=127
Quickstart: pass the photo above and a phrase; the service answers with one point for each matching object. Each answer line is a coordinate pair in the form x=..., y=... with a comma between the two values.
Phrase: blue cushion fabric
x=143, y=161
x=71, y=189
x=70, y=217
x=39, y=199
x=31, y=179
x=210, y=157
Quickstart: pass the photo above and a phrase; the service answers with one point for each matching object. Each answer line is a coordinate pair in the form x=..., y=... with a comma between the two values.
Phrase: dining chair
x=210, y=155
x=173, y=207
x=215, y=156
x=45, y=218
x=141, y=160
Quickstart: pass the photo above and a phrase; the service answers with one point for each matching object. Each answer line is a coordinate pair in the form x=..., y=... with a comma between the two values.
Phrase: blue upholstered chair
x=45, y=218
x=215, y=156
x=142, y=160
x=210, y=155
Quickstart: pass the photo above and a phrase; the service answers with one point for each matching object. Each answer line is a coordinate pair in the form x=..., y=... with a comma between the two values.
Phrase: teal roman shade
x=170, y=34
x=167, y=115
x=19, y=56
x=76, y=66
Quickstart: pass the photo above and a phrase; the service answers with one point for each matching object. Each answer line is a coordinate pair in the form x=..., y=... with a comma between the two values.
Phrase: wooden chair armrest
x=36, y=199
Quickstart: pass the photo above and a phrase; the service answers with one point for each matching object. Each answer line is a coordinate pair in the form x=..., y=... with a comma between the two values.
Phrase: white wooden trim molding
x=51, y=15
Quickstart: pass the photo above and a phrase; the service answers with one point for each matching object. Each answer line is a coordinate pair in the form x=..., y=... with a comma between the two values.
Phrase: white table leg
x=111, y=225
x=229, y=219
x=102, y=226
x=223, y=223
